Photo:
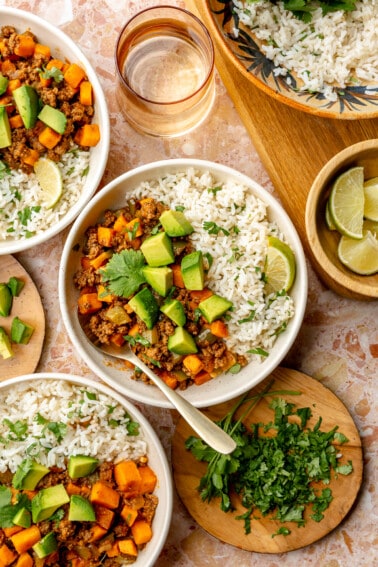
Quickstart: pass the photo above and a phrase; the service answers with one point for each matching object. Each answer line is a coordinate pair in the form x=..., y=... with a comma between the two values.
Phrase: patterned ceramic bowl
x=244, y=50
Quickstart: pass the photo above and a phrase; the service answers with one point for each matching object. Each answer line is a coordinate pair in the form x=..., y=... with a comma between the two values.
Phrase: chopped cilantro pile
x=274, y=465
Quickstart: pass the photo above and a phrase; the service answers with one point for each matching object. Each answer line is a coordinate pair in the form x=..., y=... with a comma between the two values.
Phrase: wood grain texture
x=292, y=145
x=188, y=471
x=28, y=307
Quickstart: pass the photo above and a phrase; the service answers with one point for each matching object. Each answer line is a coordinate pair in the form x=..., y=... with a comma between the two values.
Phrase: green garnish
x=272, y=474
x=302, y=8
x=53, y=73
x=123, y=272
x=213, y=228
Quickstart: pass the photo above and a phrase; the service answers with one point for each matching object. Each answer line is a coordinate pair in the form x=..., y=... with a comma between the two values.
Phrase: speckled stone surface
x=337, y=344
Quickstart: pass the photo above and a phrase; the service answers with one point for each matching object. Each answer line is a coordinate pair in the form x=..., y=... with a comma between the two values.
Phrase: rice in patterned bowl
x=25, y=218
x=233, y=219
x=51, y=419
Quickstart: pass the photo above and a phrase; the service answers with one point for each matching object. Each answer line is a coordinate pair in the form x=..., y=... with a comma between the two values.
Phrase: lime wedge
x=328, y=218
x=371, y=199
x=50, y=181
x=360, y=256
x=279, y=266
x=346, y=202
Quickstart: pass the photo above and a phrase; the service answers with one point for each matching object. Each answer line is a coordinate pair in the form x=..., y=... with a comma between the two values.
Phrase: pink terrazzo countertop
x=338, y=342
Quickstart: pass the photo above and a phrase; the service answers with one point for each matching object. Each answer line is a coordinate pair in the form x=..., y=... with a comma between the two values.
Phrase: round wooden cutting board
x=28, y=307
x=322, y=402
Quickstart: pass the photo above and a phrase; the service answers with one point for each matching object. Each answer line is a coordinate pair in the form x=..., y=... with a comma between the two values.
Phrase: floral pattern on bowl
x=352, y=102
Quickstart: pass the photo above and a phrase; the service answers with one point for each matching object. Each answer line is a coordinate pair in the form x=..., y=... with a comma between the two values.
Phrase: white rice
x=95, y=427
x=22, y=210
x=338, y=49
x=238, y=258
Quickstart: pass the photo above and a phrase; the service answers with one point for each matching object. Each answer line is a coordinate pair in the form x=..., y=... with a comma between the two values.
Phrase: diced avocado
x=157, y=250
x=160, y=279
x=181, y=342
x=5, y=129
x=26, y=100
x=15, y=285
x=47, y=501
x=192, y=270
x=21, y=331
x=53, y=118
x=81, y=465
x=145, y=306
x=28, y=475
x=174, y=309
x=175, y=223
x=214, y=307
x=6, y=300
x=5, y=345
x=81, y=510
x=22, y=518
x=47, y=545
x=3, y=83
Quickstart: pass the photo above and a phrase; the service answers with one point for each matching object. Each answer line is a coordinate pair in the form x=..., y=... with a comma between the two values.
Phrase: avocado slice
x=28, y=474
x=174, y=309
x=21, y=331
x=47, y=545
x=26, y=100
x=3, y=83
x=182, y=342
x=15, y=285
x=192, y=271
x=5, y=345
x=81, y=510
x=145, y=306
x=157, y=250
x=6, y=300
x=53, y=118
x=22, y=518
x=5, y=129
x=175, y=223
x=214, y=307
x=81, y=465
x=47, y=501
x=160, y=279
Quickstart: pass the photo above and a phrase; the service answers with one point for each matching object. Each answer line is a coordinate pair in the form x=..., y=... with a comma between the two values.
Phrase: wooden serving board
x=322, y=402
x=28, y=307
x=292, y=145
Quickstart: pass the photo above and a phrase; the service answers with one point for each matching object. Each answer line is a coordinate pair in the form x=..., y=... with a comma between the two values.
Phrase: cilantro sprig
x=303, y=9
x=123, y=273
x=273, y=474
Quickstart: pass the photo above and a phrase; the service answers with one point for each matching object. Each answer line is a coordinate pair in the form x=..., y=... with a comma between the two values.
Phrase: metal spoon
x=211, y=433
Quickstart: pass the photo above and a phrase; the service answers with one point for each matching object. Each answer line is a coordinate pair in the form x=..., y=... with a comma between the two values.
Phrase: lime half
x=371, y=199
x=360, y=256
x=50, y=181
x=346, y=202
x=279, y=266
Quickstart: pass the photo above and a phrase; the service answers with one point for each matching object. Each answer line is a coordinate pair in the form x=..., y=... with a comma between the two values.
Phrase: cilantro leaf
x=123, y=273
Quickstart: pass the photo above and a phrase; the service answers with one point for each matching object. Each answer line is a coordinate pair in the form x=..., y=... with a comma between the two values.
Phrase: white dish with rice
x=24, y=221
x=247, y=214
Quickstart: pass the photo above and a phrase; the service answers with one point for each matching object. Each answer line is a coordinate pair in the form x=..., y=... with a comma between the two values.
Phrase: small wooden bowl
x=323, y=242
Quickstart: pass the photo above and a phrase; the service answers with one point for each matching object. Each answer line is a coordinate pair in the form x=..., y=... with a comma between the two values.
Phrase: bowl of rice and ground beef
x=84, y=479
x=193, y=266
x=54, y=130
x=317, y=57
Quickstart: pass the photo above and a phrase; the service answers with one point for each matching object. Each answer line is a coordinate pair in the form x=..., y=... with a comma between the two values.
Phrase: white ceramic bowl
x=223, y=387
x=62, y=46
x=156, y=457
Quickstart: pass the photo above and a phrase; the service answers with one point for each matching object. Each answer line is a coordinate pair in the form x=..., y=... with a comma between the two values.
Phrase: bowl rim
x=155, y=397
x=101, y=114
x=166, y=479
x=319, y=185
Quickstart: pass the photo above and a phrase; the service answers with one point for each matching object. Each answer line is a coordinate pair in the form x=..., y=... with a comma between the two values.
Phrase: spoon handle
x=211, y=433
